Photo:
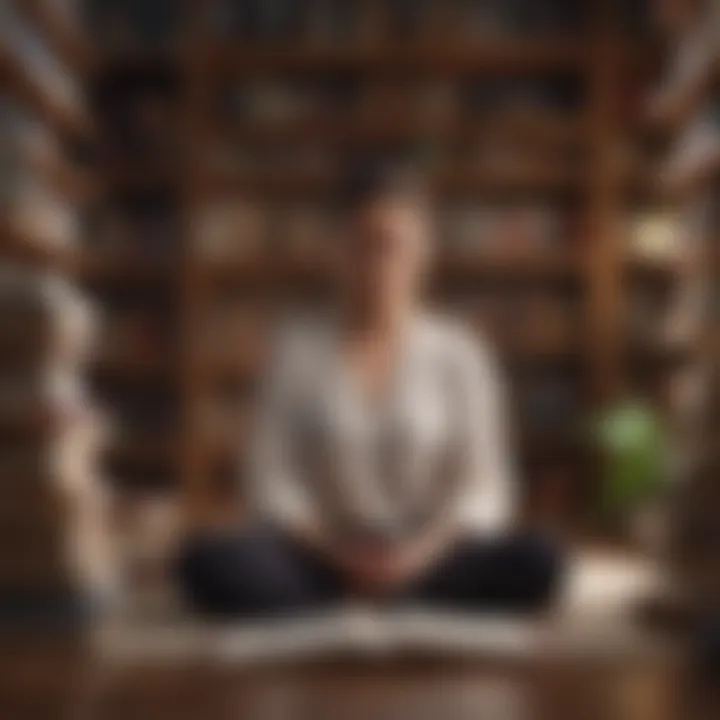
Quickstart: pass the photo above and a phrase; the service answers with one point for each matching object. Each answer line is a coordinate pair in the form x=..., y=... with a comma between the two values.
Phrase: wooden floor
x=44, y=681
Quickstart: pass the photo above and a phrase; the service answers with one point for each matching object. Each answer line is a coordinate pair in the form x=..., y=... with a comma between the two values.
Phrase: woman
x=381, y=467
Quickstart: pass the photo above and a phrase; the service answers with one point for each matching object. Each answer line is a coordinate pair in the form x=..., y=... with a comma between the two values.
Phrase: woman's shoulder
x=302, y=338
x=455, y=340
x=465, y=354
x=303, y=329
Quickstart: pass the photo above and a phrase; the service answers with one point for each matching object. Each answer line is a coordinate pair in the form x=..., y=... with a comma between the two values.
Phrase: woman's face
x=387, y=253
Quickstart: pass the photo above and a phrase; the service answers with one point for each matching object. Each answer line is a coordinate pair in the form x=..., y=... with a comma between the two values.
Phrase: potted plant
x=635, y=447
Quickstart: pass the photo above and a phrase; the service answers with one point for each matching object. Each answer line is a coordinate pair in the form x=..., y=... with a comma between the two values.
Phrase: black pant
x=268, y=574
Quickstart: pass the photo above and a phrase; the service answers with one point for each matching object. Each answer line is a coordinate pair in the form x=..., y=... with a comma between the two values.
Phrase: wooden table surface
x=46, y=680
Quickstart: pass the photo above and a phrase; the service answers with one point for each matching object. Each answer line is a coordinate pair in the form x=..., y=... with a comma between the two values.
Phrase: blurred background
x=167, y=170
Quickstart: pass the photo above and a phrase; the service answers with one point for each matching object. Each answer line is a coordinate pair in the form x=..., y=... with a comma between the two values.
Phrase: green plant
x=635, y=446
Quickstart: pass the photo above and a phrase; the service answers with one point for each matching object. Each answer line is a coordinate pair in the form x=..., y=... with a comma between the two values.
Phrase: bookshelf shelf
x=138, y=367
x=106, y=269
x=162, y=451
x=668, y=269
x=557, y=267
x=552, y=266
x=459, y=182
x=489, y=58
x=533, y=127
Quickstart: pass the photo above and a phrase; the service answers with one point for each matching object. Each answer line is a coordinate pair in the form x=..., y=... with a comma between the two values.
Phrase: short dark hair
x=376, y=176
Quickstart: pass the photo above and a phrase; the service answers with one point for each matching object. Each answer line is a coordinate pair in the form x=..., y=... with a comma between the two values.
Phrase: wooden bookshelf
x=688, y=182
x=592, y=267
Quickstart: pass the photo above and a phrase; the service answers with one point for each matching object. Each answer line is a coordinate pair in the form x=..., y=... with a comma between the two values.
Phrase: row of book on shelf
x=287, y=98
x=320, y=21
x=522, y=322
x=41, y=211
x=323, y=112
x=30, y=200
x=243, y=229
x=26, y=51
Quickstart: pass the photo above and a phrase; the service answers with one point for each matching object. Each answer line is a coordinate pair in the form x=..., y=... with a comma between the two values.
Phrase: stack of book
x=53, y=555
x=52, y=519
x=30, y=170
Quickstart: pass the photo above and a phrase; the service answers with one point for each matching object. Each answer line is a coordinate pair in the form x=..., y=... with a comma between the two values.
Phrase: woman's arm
x=278, y=492
x=477, y=492
x=279, y=482
x=488, y=494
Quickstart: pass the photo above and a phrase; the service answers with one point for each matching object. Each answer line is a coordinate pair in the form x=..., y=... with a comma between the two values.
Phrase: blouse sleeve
x=278, y=491
x=487, y=495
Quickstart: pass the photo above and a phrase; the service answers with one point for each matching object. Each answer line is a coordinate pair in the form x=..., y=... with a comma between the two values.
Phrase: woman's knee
x=247, y=575
x=541, y=562
x=217, y=573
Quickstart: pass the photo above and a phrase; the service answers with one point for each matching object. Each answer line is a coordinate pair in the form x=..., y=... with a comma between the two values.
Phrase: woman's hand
x=389, y=570
x=379, y=572
x=369, y=569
